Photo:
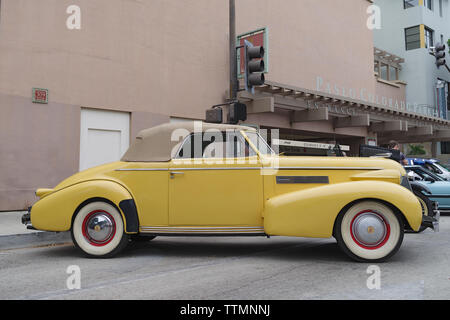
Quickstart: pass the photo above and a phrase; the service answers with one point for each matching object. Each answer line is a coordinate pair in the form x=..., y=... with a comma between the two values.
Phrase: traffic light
x=439, y=54
x=238, y=112
x=254, y=66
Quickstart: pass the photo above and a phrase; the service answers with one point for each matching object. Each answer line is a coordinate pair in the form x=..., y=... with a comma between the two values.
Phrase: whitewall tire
x=98, y=230
x=369, y=231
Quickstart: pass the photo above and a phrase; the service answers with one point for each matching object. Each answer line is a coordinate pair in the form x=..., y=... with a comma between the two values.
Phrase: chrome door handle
x=173, y=173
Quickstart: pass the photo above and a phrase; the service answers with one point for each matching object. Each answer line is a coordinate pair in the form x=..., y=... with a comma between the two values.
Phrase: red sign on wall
x=40, y=95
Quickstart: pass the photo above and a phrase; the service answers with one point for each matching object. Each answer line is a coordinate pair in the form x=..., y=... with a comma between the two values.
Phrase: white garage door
x=105, y=136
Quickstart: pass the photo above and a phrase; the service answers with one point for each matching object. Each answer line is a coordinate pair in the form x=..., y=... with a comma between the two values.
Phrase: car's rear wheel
x=98, y=230
x=369, y=231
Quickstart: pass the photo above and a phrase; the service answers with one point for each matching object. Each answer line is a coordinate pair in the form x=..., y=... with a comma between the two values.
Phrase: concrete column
x=434, y=149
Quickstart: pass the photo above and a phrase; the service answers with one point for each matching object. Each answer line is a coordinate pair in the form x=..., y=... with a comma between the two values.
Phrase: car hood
x=439, y=187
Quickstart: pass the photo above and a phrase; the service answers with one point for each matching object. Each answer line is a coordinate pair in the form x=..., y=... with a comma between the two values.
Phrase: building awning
x=389, y=122
x=387, y=58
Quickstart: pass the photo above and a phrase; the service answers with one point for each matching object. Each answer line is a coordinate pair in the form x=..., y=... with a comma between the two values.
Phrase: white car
x=431, y=164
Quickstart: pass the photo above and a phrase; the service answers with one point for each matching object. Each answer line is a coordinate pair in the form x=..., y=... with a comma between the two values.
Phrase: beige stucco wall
x=39, y=148
x=171, y=56
x=155, y=59
x=310, y=39
x=393, y=94
x=163, y=56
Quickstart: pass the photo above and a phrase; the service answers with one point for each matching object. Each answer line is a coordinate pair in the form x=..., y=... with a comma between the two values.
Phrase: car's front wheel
x=98, y=230
x=369, y=231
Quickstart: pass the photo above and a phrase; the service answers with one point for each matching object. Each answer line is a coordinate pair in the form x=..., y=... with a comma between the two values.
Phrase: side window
x=191, y=147
x=435, y=169
x=415, y=176
x=412, y=38
x=238, y=147
x=425, y=175
x=215, y=145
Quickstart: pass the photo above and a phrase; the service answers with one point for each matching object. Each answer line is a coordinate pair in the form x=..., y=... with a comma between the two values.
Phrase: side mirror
x=411, y=176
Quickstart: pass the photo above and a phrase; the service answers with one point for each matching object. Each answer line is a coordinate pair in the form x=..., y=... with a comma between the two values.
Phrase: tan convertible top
x=158, y=144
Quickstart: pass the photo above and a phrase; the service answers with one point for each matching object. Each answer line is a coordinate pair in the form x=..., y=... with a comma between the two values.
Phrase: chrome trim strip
x=191, y=169
x=219, y=168
x=202, y=229
x=249, y=168
x=220, y=228
x=198, y=230
x=303, y=180
x=143, y=169
x=324, y=168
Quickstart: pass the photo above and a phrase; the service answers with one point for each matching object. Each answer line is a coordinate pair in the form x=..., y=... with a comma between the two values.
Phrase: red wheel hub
x=370, y=230
x=99, y=228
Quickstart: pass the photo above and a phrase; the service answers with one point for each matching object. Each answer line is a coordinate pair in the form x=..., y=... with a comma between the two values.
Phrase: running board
x=203, y=231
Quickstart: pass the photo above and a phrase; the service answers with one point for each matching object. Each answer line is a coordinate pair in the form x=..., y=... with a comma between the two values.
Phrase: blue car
x=437, y=188
x=432, y=165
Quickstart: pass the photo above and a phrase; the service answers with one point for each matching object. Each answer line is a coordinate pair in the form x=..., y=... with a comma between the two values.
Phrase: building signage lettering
x=364, y=95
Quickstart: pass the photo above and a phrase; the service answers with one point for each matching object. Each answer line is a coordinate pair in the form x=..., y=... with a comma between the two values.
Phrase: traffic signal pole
x=234, y=83
x=253, y=76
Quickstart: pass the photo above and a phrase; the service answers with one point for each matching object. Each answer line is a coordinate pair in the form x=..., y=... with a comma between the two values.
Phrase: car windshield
x=443, y=169
x=261, y=144
x=424, y=174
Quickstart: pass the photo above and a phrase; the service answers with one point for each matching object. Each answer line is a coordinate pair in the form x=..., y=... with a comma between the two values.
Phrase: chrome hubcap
x=369, y=229
x=99, y=227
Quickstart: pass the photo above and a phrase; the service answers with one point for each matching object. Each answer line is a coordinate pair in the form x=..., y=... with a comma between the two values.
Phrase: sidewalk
x=13, y=234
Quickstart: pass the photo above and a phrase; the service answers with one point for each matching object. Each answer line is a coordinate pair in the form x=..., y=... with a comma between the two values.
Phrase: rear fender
x=312, y=212
x=55, y=211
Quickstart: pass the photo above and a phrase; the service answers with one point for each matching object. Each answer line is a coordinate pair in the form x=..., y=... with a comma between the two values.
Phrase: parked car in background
x=430, y=209
x=432, y=165
x=438, y=188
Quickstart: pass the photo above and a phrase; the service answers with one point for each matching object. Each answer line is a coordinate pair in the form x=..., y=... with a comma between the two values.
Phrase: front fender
x=312, y=212
x=54, y=212
x=417, y=186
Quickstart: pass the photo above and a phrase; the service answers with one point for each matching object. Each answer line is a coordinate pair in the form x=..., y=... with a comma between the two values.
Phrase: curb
x=40, y=238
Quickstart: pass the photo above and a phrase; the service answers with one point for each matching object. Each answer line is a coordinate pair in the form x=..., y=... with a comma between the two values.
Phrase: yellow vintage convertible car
x=200, y=179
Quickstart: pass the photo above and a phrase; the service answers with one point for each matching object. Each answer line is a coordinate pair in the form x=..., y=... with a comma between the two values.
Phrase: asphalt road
x=230, y=269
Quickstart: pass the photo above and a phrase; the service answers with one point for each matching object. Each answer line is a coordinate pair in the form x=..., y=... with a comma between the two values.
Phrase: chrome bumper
x=433, y=221
x=26, y=219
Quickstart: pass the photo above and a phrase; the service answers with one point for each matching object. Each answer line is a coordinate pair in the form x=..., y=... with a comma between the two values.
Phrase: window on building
x=428, y=4
x=383, y=72
x=441, y=11
x=412, y=38
x=429, y=38
x=387, y=66
x=410, y=3
x=445, y=147
x=387, y=72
